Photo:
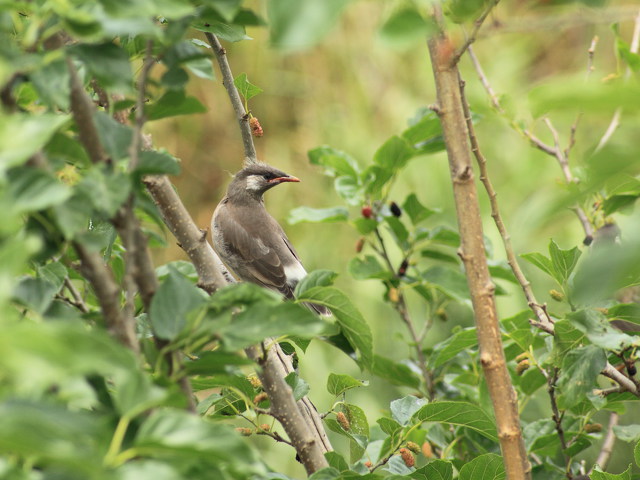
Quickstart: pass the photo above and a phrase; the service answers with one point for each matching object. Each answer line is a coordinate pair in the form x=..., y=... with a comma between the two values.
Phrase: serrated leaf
x=353, y=325
x=317, y=215
x=393, y=154
x=459, y=413
x=540, y=261
x=106, y=190
x=598, y=474
x=337, y=384
x=247, y=89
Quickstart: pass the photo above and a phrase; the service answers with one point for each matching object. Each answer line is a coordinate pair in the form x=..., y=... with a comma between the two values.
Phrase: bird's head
x=253, y=181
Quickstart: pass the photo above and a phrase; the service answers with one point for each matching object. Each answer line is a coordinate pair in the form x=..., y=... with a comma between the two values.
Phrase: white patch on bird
x=262, y=247
x=294, y=273
x=255, y=182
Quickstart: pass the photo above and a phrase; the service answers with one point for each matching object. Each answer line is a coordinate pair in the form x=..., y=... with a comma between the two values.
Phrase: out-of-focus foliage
x=348, y=82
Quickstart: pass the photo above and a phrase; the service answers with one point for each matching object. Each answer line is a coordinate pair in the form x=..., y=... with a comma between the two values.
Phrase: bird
x=249, y=241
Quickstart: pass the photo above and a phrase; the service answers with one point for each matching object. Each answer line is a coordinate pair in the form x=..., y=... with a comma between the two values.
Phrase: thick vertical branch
x=242, y=115
x=472, y=252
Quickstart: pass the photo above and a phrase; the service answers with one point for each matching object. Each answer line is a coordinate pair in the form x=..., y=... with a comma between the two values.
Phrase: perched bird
x=249, y=241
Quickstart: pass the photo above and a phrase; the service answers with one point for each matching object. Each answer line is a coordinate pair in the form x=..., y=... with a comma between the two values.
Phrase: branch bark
x=241, y=114
x=472, y=252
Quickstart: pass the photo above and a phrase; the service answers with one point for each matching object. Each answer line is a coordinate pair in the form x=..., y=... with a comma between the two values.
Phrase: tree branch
x=607, y=445
x=477, y=24
x=241, y=114
x=472, y=252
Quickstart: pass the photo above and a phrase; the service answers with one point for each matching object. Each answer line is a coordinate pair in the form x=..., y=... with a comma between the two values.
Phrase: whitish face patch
x=255, y=183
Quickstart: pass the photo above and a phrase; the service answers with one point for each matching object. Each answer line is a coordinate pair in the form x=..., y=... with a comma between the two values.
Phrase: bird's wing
x=253, y=259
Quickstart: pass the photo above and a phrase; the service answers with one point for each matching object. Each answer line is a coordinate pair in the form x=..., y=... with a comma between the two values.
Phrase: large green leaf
x=580, y=369
x=353, y=325
x=338, y=384
x=563, y=261
x=174, y=103
x=394, y=372
x=108, y=62
x=485, y=467
x=33, y=189
x=335, y=162
x=175, y=298
x=459, y=413
x=403, y=409
x=434, y=470
x=405, y=27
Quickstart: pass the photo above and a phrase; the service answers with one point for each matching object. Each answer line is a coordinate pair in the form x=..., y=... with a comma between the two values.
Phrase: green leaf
x=566, y=338
x=316, y=278
x=336, y=461
x=247, y=89
x=35, y=293
x=367, y=268
x=260, y=321
x=563, y=261
x=22, y=135
x=157, y=162
x=175, y=298
x=365, y=225
x=598, y=330
x=436, y=470
x=630, y=58
x=598, y=474
x=335, y=162
x=351, y=322
x=399, y=231
x=462, y=10
x=298, y=386
x=214, y=363
x=404, y=28
x=636, y=453
x=580, y=369
x=211, y=21
x=464, y=340
x=627, y=433
x=31, y=189
x=172, y=103
x=540, y=261
x=300, y=24
x=106, y=189
x=338, y=384
x=350, y=189
x=416, y=211
x=452, y=283
x=393, y=372
x=317, y=215
x=393, y=154
x=459, y=413
x=73, y=215
x=108, y=62
x=177, y=432
x=114, y=136
x=52, y=83
x=485, y=467
x=403, y=409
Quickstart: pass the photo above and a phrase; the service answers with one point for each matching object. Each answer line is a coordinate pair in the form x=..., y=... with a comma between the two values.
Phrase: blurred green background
x=352, y=92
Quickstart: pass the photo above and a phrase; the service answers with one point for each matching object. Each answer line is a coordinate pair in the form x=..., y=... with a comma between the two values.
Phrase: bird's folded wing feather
x=254, y=256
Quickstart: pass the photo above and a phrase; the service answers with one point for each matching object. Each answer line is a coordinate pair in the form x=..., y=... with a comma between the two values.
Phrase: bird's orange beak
x=284, y=179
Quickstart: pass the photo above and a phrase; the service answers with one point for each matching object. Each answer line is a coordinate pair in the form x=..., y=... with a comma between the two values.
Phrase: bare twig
x=557, y=416
x=607, y=445
x=78, y=301
x=236, y=101
x=615, y=120
x=108, y=294
x=477, y=24
x=533, y=303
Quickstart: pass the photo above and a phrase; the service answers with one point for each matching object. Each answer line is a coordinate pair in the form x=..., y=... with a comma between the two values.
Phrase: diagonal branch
x=477, y=24
x=236, y=101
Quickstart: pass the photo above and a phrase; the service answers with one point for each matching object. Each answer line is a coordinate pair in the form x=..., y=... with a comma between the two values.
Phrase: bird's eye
x=267, y=176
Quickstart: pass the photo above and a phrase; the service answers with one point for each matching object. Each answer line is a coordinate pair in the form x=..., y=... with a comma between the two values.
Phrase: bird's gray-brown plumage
x=249, y=240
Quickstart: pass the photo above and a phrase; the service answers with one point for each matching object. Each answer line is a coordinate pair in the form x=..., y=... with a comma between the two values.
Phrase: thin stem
x=477, y=24
x=557, y=416
x=533, y=303
x=116, y=441
x=234, y=96
x=140, y=119
x=78, y=301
